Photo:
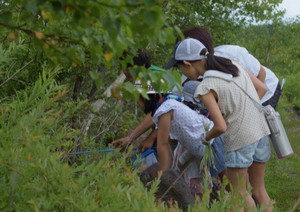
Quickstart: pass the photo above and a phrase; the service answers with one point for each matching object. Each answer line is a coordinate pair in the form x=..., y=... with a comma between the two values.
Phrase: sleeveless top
x=245, y=123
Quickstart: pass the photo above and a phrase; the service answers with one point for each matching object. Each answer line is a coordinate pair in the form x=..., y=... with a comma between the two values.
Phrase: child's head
x=141, y=59
x=148, y=105
x=188, y=94
x=189, y=99
x=201, y=34
x=155, y=100
x=190, y=57
x=193, y=59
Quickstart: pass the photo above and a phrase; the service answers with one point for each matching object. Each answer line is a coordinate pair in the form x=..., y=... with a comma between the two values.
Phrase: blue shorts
x=242, y=158
x=219, y=156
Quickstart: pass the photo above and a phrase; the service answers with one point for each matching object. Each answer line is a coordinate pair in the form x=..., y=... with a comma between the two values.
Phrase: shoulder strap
x=228, y=77
x=218, y=74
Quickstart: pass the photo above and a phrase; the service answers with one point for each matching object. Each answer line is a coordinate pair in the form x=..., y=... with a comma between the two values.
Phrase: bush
x=292, y=90
x=34, y=173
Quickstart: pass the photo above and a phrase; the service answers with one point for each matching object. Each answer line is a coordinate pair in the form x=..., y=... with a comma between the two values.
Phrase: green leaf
x=97, y=78
x=5, y=17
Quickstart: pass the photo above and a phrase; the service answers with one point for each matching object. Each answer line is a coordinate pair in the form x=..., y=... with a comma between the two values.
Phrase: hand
x=146, y=144
x=121, y=142
x=203, y=139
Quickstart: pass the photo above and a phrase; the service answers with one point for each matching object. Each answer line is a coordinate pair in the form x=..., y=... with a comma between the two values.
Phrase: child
x=246, y=141
x=240, y=54
x=176, y=121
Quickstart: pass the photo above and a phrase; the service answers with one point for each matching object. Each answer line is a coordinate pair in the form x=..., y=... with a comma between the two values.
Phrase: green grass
x=283, y=175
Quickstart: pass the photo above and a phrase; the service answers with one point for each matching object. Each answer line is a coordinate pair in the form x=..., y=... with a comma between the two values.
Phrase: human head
x=190, y=57
x=193, y=59
x=201, y=34
x=141, y=59
x=189, y=90
x=155, y=100
x=189, y=99
x=148, y=105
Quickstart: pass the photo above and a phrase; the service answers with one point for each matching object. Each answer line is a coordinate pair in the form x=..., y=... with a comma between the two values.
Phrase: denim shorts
x=219, y=156
x=242, y=158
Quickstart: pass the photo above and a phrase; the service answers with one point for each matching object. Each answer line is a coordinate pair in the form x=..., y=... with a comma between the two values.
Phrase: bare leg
x=256, y=177
x=238, y=179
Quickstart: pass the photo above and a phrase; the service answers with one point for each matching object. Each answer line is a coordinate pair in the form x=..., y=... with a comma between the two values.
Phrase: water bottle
x=278, y=135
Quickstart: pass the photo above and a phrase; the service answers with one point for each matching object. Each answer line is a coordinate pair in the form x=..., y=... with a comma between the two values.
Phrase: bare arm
x=143, y=126
x=219, y=123
x=260, y=87
x=163, y=148
x=149, y=141
x=261, y=74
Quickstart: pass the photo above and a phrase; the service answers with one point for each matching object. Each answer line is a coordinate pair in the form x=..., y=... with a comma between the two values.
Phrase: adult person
x=245, y=129
x=240, y=54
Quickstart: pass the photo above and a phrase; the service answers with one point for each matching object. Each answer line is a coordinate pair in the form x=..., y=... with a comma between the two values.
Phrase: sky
x=292, y=8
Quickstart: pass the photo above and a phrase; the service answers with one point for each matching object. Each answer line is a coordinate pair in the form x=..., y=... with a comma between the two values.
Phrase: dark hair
x=142, y=59
x=192, y=106
x=150, y=104
x=202, y=34
x=222, y=64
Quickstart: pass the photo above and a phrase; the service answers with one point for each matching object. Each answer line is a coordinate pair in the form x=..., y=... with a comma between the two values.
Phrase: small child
x=176, y=121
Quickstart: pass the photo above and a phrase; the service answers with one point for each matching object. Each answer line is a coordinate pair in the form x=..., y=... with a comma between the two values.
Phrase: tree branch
x=97, y=105
x=16, y=73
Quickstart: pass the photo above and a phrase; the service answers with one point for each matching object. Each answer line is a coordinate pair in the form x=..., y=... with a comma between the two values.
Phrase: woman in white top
x=233, y=113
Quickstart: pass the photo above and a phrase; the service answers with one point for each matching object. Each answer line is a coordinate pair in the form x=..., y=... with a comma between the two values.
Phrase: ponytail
x=221, y=64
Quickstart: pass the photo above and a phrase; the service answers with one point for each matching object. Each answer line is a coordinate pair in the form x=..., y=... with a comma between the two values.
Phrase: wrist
x=204, y=139
x=131, y=138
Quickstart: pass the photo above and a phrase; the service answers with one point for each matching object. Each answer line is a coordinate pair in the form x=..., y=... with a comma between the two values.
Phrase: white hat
x=189, y=49
x=150, y=88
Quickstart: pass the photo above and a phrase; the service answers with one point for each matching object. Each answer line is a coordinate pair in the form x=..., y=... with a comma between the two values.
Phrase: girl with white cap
x=245, y=129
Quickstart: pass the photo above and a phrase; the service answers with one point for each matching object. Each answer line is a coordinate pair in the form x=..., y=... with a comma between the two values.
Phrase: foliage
x=33, y=173
x=88, y=38
x=276, y=47
x=57, y=57
x=223, y=18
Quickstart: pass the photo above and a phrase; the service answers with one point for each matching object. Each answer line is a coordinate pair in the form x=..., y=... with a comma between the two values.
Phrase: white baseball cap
x=188, y=49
